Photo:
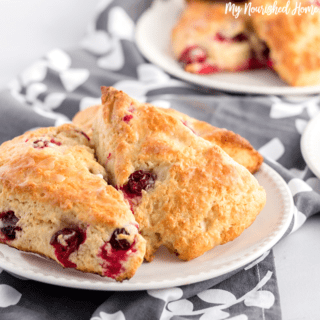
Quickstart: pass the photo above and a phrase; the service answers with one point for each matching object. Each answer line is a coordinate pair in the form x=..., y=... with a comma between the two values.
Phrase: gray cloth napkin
x=63, y=82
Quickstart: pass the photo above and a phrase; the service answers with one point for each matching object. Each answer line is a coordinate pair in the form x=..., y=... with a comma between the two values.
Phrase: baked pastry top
x=233, y=144
x=185, y=192
x=237, y=147
x=206, y=39
x=293, y=40
x=169, y=183
x=54, y=201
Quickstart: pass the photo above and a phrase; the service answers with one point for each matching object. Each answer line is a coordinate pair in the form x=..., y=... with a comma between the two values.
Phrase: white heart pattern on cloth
x=149, y=73
x=54, y=100
x=120, y=25
x=299, y=219
x=155, y=78
x=263, y=299
x=133, y=88
x=274, y=149
x=149, y=78
x=180, y=306
x=8, y=296
x=312, y=107
x=301, y=125
x=58, y=60
x=114, y=60
x=106, y=316
x=87, y=102
x=73, y=78
x=167, y=295
x=97, y=42
x=282, y=110
x=35, y=73
x=221, y=299
x=217, y=296
x=33, y=91
x=297, y=185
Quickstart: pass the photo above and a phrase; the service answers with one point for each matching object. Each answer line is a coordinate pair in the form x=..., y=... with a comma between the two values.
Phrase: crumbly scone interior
x=185, y=192
x=54, y=201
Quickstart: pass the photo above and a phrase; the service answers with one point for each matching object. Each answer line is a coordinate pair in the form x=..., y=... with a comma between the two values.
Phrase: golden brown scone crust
x=293, y=40
x=199, y=24
x=201, y=197
x=50, y=179
x=233, y=144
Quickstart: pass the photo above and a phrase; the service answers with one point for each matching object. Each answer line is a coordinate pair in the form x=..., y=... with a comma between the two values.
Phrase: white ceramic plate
x=167, y=270
x=310, y=145
x=153, y=32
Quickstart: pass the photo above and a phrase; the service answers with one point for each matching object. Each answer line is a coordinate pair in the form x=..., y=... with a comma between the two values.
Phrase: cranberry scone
x=54, y=201
x=233, y=144
x=207, y=39
x=293, y=40
x=186, y=193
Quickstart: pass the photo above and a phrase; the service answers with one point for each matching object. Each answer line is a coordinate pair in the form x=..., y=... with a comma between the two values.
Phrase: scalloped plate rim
x=258, y=249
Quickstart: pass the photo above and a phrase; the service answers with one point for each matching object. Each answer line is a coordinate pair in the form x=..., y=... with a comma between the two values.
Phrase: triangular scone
x=55, y=202
x=186, y=193
x=233, y=144
x=293, y=39
x=209, y=37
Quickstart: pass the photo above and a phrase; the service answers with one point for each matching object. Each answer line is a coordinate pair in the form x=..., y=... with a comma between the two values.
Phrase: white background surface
x=29, y=28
